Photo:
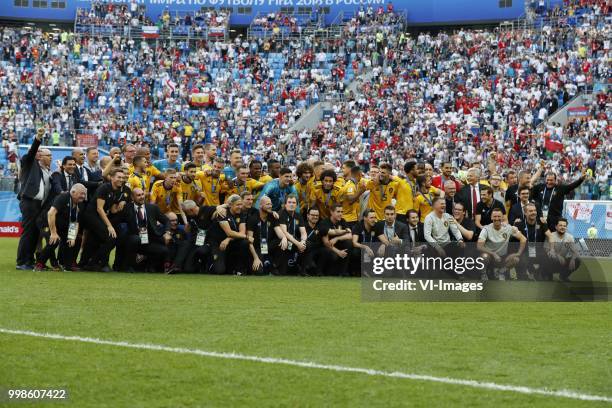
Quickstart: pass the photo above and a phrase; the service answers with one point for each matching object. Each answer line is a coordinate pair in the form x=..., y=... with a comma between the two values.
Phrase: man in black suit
x=390, y=232
x=63, y=179
x=89, y=180
x=147, y=233
x=517, y=211
x=470, y=193
x=92, y=175
x=416, y=233
x=35, y=181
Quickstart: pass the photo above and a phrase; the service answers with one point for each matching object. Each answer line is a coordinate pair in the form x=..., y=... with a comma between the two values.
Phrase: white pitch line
x=308, y=364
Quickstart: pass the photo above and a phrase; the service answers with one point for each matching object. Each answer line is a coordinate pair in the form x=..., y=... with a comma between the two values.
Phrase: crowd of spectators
x=463, y=96
x=113, y=14
x=452, y=96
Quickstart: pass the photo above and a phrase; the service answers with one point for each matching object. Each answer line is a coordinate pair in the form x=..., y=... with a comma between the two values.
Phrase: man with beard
x=191, y=187
x=103, y=216
x=278, y=189
x=551, y=195
x=265, y=240
x=446, y=178
x=493, y=245
x=562, y=251
x=303, y=173
x=61, y=228
x=213, y=183
x=326, y=194
x=138, y=177
x=382, y=191
x=486, y=206
x=235, y=163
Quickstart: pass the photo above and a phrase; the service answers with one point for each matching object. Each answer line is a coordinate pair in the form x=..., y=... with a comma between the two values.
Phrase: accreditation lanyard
x=383, y=195
x=72, y=218
x=552, y=193
x=232, y=220
x=264, y=235
x=328, y=198
x=213, y=187
x=303, y=192
x=168, y=196
x=142, y=182
x=428, y=198
x=311, y=232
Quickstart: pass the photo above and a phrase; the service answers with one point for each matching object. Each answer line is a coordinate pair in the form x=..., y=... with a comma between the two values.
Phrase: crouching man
x=147, y=234
x=61, y=228
x=266, y=235
x=493, y=244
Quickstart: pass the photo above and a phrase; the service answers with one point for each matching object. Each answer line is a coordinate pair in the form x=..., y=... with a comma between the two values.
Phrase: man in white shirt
x=438, y=227
x=493, y=244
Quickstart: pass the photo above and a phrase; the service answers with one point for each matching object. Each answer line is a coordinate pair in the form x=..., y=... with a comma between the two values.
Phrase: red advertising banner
x=87, y=140
x=10, y=229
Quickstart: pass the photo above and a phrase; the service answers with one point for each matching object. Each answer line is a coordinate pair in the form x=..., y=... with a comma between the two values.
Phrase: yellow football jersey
x=251, y=185
x=381, y=195
x=139, y=181
x=350, y=211
x=192, y=191
x=212, y=187
x=324, y=200
x=166, y=200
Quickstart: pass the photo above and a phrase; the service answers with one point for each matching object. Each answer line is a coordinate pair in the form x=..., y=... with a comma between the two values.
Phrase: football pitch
x=151, y=340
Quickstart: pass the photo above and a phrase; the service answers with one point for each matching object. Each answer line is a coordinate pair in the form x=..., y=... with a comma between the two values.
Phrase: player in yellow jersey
x=138, y=177
x=325, y=195
x=213, y=183
x=382, y=191
x=150, y=171
x=242, y=182
x=166, y=194
x=304, y=173
x=350, y=195
x=197, y=158
x=423, y=203
x=256, y=172
x=407, y=191
x=191, y=186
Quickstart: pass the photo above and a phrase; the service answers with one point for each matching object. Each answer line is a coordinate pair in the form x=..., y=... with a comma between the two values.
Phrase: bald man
x=147, y=234
x=35, y=181
x=61, y=227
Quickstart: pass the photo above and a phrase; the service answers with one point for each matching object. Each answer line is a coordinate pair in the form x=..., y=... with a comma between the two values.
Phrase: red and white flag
x=150, y=31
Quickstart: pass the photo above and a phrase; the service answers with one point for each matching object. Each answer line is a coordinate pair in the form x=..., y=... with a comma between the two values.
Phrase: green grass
x=548, y=345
